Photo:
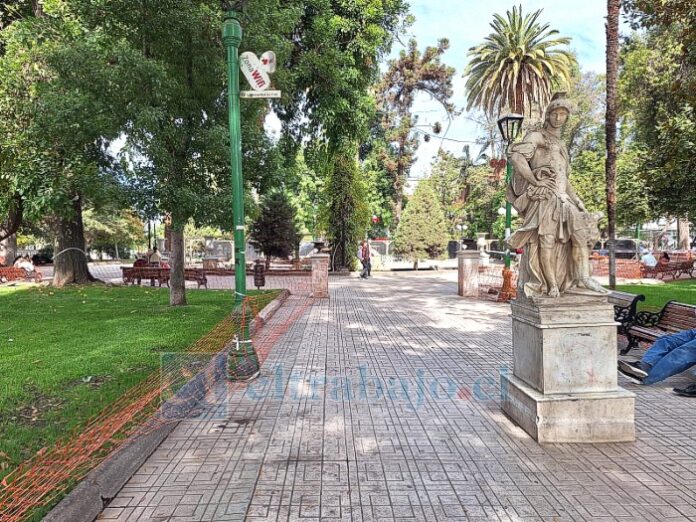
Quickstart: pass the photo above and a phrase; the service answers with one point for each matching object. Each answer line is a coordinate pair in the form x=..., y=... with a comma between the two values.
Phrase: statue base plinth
x=564, y=385
x=577, y=417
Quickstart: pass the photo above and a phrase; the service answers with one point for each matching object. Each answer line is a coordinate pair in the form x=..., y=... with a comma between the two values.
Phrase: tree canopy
x=518, y=65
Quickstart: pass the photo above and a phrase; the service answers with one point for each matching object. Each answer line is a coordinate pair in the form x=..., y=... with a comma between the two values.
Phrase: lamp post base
x=242, y=362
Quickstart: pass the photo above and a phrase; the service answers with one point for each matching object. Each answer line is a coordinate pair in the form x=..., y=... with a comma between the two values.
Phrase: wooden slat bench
x=197, y=275
x=133, y=274
x=625, y=309
x=679, y=265
x=648, y=326
x=13, y=273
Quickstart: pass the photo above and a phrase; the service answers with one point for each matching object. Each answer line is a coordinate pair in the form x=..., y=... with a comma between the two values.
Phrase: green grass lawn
x=66, y=354
x=656, y=295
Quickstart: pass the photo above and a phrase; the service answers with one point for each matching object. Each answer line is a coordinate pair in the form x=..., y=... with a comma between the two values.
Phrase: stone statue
x=558, y=232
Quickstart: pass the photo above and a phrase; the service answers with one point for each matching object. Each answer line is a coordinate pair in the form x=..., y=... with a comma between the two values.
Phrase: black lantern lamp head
x=510, y=126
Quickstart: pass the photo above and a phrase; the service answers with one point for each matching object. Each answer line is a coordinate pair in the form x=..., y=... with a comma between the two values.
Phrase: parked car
x=42, y=257
x=625, y=248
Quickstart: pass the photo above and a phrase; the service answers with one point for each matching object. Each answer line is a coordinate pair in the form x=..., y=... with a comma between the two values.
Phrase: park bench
x=133, y=274
x=13, y=273
x=648, y=326
x=625, y=309
x=679, y=265
x=684, y=265
x=197, y=275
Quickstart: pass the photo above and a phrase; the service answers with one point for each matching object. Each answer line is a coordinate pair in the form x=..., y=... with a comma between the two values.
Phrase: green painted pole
x=243, y=361
x=508, y=214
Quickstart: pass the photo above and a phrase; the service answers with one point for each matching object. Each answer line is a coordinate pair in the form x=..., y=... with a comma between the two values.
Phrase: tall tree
x=408, y=75
x=518, y=66
x=337, y=47
x=612, y=30
x=658, y=98
x=275, y=229
x=55, y=80
x=346, y=212
x=422, y=233
x=449, y=180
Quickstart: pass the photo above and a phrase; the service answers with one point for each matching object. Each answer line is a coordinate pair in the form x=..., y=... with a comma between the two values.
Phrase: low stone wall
x=625, y=268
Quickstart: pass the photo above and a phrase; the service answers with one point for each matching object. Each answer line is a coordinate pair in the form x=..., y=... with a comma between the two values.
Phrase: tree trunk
x=268, y=262
x=612, y=29
x=70, y=259
x=177, y=282
x=8, y=250
x=683, y=237
x=398, y=203
x=167, y=234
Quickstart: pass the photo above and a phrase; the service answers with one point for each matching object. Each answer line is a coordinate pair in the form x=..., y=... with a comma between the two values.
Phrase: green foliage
x=485, y=195
x=112, y=229
x=585, y=127
x=346, y=212
x=411, y=73
x=422, y=231
x=518, y=65
x=275, y=230
x=335, y=58
x=306, y=186
x=588, y=179
x=657, y=101
x=380, y=195
x=55, y=117
x=448, y=179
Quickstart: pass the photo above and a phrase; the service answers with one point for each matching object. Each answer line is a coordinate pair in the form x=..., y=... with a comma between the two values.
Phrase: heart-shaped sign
x=254, y=71
x=268, y=62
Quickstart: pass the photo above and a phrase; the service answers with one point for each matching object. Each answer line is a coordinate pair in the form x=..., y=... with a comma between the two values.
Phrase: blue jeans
x=670, y=355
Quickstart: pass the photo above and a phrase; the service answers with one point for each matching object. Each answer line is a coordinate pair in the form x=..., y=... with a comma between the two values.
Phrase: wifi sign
x=254, y=71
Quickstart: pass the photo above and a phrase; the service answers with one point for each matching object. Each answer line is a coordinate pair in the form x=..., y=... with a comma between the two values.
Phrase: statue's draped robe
x=545, y=212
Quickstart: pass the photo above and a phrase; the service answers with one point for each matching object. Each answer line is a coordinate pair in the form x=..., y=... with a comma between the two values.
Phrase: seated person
x=155, y=258
x=648, y=259
x=26, y=264
x=141, y=261
x=669, y=355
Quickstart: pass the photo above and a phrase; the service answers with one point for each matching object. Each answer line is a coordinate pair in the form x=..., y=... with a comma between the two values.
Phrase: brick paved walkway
x=381, y=404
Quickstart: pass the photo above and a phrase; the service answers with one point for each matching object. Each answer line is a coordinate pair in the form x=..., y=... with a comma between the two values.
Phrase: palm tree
x=517, y=66
x=613, y=10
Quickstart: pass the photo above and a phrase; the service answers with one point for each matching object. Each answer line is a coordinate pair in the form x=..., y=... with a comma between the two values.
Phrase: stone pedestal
x=468, y=263
x=320, y=275
x=564, y=382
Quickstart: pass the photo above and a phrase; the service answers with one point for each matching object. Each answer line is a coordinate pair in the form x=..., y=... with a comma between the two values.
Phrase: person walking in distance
x=364, y=256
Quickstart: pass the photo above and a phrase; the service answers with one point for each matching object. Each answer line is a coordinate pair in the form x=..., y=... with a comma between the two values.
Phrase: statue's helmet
x=559, y=101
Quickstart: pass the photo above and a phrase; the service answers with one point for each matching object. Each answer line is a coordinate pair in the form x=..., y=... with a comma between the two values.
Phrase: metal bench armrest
x=648, y=319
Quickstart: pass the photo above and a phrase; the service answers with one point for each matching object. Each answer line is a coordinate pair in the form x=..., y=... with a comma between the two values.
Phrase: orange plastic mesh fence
x=491, y=282
x=42, y=479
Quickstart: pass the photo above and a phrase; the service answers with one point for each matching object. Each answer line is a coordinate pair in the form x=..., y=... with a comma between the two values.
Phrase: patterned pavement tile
x=382, y=404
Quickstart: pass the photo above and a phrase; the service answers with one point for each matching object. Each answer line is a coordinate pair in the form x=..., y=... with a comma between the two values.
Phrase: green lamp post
x=243, y=361
x=510, y=126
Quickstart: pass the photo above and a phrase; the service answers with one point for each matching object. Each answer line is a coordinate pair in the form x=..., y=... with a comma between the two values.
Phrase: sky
x=466, y=23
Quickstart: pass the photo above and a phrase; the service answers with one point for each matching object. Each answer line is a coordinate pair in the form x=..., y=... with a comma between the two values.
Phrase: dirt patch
x=33, y=411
